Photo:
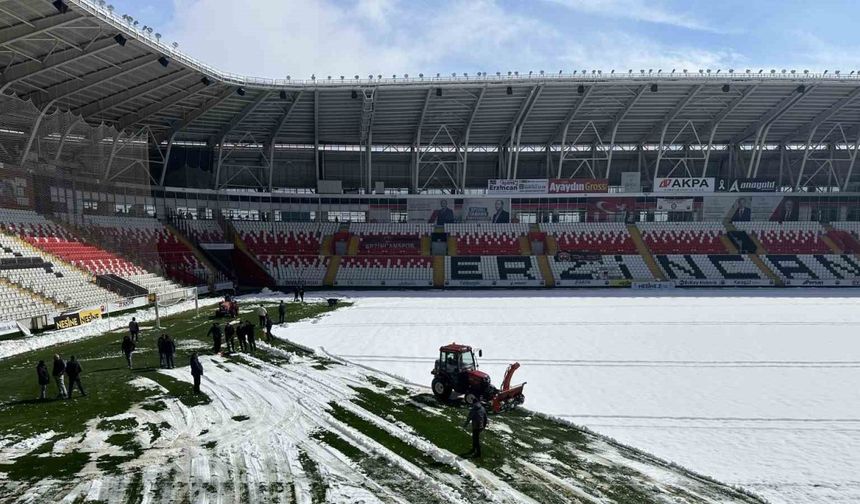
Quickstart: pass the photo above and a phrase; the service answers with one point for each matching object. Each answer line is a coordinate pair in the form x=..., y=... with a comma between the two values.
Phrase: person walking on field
x=196, y=371
x=268, y=328
x=215, y=332
x=242, y=335
x=162, y=359
x=282, y=312
x=302, y=292
x=261, y=312
x=252, y=338
x=478, y=418
x=134, y=329
x=169, y=351
x=73, y=370
x=127, y=349
x=296, y=294
x=229, y=336
x=59, y=376
x=44, y=379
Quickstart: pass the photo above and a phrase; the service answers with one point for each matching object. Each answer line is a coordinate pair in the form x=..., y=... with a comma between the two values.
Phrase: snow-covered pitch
x=758, y=388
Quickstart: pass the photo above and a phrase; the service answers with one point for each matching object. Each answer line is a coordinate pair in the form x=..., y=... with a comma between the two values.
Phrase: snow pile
x=755, y=388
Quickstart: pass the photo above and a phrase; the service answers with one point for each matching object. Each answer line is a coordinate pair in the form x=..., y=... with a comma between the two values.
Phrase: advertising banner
x=746, y=185
x=67, y=320
x=578, y=185
x=731, y=208
x=90, y=315
x=391, y=282
x=675, y=204
x=517, y=186
x=652, y=285
x=684, y=185
x=434, y=211
x=497, y=211
x=8, y=327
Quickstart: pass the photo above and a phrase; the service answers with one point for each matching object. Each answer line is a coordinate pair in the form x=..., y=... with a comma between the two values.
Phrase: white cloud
x=274, y=38
x=649, y=11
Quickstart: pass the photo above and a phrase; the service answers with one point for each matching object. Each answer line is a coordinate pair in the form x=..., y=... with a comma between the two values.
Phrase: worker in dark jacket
x=44, y=379
x=229, y=336
x=242, y=333
x=58, y=372
x=268, y=328
x=162, y=359
x=134, y=329
x=282, y=312
x=73, y=370
x=169, y=351
x=252, y=338
x=215, y=333
x=302, y=292
x=296, y=294
x=127, y=349
x=478, y=418
x=196, y=371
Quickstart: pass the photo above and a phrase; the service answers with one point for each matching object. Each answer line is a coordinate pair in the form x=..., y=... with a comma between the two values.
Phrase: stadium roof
x=77, y=56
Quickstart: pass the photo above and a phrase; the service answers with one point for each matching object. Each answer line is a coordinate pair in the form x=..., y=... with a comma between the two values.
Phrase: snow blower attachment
x=456, y=371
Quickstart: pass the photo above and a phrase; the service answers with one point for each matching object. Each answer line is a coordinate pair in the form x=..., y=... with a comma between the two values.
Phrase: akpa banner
x=675, y=204
x=684, y=185
x=578, y=185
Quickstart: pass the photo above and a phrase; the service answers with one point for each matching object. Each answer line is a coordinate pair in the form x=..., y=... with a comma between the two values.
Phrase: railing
x=115, y=20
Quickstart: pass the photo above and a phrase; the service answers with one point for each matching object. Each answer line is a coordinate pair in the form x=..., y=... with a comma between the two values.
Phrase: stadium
x=671, y=258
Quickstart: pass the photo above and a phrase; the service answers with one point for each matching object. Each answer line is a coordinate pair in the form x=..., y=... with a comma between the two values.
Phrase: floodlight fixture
x=708, y=71
x=731, y=70
x=612, y=71
x=659, y=71
x=825, y=72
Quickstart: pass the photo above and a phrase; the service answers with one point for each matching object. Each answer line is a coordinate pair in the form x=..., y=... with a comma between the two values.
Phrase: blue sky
x=275, y=38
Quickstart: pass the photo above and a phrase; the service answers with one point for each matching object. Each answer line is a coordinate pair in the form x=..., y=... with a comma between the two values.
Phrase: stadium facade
x=123, y=157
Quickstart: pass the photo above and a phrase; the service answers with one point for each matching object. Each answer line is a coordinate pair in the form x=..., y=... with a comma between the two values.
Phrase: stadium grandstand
x=132, y=171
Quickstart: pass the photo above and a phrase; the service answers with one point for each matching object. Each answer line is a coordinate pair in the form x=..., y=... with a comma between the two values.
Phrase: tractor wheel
x=470, y=398
x=441, y=389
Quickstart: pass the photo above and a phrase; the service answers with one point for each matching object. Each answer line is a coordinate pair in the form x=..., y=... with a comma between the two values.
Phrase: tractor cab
x=457, y=358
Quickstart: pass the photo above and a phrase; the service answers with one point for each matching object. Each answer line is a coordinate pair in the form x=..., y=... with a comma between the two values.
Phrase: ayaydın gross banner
x=578, y=185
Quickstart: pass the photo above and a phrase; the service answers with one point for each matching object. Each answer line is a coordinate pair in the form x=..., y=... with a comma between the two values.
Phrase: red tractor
x=457, y=371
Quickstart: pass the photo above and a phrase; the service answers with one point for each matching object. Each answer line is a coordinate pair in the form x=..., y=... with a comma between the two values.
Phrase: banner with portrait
x=437, y=211
x=733, y=208
x=494, y=210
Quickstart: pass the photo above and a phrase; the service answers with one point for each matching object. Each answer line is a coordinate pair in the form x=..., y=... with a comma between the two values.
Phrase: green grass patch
x=154, y=406
x=120, y=424
x=36, y=466
x=318, y=485
x=340, y=444
x=382, y=437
